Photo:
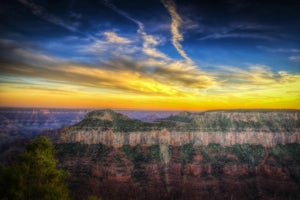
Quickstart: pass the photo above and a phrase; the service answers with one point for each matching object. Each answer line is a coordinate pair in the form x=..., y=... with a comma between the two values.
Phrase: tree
x=93, y=198
x=34, y=176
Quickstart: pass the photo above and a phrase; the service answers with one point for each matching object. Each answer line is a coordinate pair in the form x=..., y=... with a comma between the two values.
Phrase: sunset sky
x=168, y=55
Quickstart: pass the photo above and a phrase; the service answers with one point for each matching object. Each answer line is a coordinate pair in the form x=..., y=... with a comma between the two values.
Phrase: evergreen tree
x=34, y=176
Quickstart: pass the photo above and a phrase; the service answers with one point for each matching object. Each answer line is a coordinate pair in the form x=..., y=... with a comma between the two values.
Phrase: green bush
x=215, y=148
x=135, y=154
x=286, y=154
x=205, y=155
x=186, y=152
x=154, y=153
x=70, y=149
x=247, y=153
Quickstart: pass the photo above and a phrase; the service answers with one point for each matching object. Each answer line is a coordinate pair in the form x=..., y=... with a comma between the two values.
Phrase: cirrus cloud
x=114, y=38
x=176, y=22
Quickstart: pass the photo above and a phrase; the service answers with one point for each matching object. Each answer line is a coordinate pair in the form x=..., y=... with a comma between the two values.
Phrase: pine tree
x=34, y=176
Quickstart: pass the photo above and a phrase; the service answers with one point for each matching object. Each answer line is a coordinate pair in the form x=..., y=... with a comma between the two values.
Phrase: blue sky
x=194, y=49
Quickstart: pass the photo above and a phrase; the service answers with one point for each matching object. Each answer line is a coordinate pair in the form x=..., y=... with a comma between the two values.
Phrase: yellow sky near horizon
x=131, y=90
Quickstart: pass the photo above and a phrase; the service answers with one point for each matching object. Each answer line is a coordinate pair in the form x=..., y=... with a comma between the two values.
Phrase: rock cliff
x=182, y=172
x=223, y=127
x=211, y=155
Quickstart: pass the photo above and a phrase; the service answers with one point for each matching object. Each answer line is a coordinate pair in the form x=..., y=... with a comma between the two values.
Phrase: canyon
x=30, y=122
x=208, y=155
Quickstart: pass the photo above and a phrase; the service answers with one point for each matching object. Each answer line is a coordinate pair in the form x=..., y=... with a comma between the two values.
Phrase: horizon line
x=145, y=109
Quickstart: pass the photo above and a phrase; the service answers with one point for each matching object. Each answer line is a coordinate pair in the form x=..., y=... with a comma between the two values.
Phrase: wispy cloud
x=175, y=25
x=295, y=58
x=149, y=45
x=149, y=42
x=39, y=11
x=239, y=30
x=109, y=44
x=114, y=38
x=11, y=50
x=254, y=77
x=150, y=76
x=100, y=78
x=237, y=35
x=279, y=50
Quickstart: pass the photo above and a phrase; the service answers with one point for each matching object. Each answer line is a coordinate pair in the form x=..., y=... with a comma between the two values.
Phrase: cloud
x=75, y=15
x=248, y=26
x=149, y=45
x=240, y=30
x=10, y=50
x=98, y=46
x=145, y=80
x=39, y=11
x=148, y=76
x=149, y=42
x=110, y=49
x=295, y=58
x=254, y=77
x=49, y=88
x=116, y=80
x=175, y=25
x=237, y=35
x=114, y=38
x=179, y=74
x=279, y=50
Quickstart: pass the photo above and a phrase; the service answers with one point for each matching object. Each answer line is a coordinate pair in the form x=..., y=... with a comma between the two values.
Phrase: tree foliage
x=34, y=175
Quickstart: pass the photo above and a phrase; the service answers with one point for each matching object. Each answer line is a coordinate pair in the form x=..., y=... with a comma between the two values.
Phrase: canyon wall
x=182, y=172
x=118, y=139
x=214, y=155
x=110, y=128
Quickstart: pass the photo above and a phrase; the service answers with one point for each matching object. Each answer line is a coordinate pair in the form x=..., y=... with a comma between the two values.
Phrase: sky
x=163, y=55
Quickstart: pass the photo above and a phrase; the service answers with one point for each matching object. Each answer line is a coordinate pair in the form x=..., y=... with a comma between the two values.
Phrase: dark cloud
x=31, y=64
x=186, y=78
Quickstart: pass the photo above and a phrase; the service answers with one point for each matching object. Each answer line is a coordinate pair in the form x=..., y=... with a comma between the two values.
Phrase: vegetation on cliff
x=93, y=166
x=250, y=154
x=110, y=120
x=288, y=154
x=65, y=150
x=239, y=120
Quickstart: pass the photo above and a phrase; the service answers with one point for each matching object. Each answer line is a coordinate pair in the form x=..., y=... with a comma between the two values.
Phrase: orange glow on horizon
x=179, y=89
x=40, y=98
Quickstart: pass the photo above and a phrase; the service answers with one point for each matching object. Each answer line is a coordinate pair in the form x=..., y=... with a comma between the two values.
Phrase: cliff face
x=225, y=128
x=118, y=139
x=215, y=155
x=182, y=172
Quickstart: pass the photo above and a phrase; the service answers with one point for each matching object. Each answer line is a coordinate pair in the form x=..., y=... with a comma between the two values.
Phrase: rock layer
x=201, y=172
x=118, y=139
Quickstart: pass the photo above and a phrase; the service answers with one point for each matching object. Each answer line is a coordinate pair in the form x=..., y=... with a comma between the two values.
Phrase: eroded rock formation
x=215, y=155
